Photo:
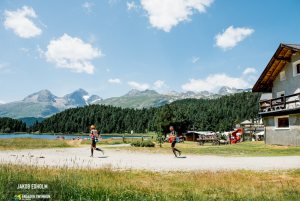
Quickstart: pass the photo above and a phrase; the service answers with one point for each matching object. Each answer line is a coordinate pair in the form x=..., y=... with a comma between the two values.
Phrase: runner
x=94, y=135
x=172, y=137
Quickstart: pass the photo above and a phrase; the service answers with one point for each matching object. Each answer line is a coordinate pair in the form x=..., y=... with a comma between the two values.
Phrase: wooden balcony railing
x=283, y=102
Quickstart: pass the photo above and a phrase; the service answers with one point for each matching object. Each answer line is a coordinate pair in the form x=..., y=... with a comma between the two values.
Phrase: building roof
x=280, y=58
x=246, y=122
x=200, y=132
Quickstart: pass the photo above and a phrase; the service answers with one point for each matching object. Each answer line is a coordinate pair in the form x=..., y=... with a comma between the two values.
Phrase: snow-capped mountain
x=44, y=103
x=227, y=90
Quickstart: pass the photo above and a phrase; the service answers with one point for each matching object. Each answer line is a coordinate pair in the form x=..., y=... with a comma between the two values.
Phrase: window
x=283, y=122
x=282, y=75
x=296, y=68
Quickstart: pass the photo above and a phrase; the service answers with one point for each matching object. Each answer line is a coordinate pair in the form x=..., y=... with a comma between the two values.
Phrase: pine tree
x=164, y=119
x=160, y=137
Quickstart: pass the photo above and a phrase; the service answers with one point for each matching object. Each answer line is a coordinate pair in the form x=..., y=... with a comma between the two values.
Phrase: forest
x=208, y=115
x=9, y=125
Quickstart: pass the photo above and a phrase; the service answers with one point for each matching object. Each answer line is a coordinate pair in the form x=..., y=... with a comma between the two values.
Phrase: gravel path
x=79, y=158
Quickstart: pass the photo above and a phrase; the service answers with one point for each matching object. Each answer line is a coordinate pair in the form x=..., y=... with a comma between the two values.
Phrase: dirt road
x=79, y=158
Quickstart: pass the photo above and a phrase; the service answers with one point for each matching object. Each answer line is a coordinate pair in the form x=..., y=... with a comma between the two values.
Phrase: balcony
x=282, y=103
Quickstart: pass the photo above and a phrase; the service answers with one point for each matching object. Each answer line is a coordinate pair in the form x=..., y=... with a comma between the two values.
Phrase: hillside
x=44, y=104
x=215, y=114
x=150, y=98
x=30, y=120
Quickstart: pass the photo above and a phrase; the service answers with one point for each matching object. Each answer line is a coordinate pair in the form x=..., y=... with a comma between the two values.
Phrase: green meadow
x=106, y=184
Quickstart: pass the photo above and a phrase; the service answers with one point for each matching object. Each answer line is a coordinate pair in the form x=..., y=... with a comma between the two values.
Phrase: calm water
x=51, y=137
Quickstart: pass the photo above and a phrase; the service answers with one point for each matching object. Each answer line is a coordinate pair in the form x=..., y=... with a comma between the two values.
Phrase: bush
x=143, y=144
x=7, y=130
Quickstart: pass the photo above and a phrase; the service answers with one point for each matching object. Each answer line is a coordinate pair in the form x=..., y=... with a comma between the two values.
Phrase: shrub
x=143, y=144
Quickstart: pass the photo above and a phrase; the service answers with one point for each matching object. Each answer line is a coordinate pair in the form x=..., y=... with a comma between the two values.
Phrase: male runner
x=94, y=135
x=173, y=136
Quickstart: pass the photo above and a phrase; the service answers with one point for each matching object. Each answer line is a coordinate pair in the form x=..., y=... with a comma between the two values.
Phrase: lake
x=52, y=137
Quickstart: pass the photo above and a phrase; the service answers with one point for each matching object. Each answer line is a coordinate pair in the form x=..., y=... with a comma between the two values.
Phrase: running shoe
x=102, y=152
x=179, y=153
x=176, y=156
x=91, y=156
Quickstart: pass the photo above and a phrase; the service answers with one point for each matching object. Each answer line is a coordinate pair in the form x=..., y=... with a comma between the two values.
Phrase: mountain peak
x=171, y=93
x=41, y=96
x=132, y=92
x=149, y=92
x=81, y=91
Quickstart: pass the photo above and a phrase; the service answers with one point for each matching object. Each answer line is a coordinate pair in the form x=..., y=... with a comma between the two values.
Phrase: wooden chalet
x=280, y=103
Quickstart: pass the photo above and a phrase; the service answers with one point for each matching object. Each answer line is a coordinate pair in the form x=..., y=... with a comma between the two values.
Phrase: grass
x=234, y=150
x=149, y=134
x=105, y=184
x=31, y=143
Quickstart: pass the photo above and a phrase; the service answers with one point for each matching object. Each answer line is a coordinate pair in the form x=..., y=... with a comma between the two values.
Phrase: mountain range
x=150, y=98
x=45, y=104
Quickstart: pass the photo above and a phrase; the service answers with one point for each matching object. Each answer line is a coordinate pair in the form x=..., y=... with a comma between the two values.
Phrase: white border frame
x=281, y=128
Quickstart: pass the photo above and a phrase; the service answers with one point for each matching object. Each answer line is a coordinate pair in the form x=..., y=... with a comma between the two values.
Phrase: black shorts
x=93, y=143
x=173, y=144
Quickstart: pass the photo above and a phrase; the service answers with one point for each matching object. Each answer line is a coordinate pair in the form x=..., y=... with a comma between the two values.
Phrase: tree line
x=9, y=125
x=207, y=115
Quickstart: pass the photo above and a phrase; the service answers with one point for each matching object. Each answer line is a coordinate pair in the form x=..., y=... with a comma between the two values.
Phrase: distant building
x=280, y=105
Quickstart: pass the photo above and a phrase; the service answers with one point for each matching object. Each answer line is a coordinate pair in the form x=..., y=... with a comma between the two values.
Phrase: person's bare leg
x=92, y=150
x=172, y=148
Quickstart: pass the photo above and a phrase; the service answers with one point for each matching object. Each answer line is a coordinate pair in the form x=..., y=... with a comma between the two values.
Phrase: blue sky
x=109, y=47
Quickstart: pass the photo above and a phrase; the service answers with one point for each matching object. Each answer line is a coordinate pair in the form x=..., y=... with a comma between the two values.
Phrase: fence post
x=142, y=138
x=123, y=138
x=229, y=138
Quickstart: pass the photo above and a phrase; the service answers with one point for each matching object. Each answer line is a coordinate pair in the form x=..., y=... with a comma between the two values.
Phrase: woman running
x=172, y=137
x=94, y=135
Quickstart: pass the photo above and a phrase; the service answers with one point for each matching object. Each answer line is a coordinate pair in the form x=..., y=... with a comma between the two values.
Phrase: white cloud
x=249, y=70
x=159, y=84
x=21, y=25
x=2, y=102
x=72, y=53
x=87, y=7
x=112, y=2
x=213, y=81
x=107, y=70
x=195, y=59
x=139, y=86
x=24, y=49
x=164, y=14
x=41, y=52
x=115, y=81
x=132, y=5
x=231, y=36
x=239, y=67
x=251, y=78
x=42, y=24
x=2, y=65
